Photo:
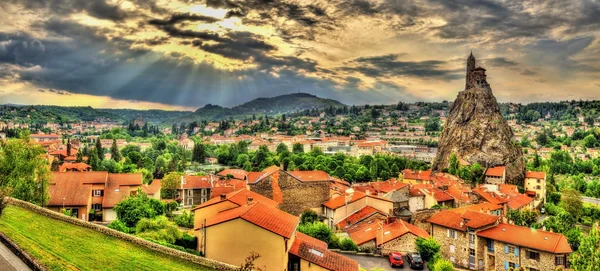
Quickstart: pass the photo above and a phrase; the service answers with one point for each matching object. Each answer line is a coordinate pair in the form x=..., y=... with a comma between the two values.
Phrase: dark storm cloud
x=237, y=45
x=389, y=65
x=95, y=8
x=182, y=17
x=499, y=62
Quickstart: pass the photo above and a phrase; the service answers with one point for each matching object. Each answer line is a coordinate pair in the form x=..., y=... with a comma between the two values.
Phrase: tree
x=427, y=247
x=169, y=185
x=138, y=206
x=199, y=153
x=186, y=220
x=281, y=148
x=442, y=265
x=537, y=162
x=590, y=141
x=320, y=231
x=453, y=164
x=114, y=151
x=308, y=216
x=587, y=257
x=158, y=229
x=571, y=202
x=297, y=148
x=94, y=160
x=24, y=172
x=99, y=149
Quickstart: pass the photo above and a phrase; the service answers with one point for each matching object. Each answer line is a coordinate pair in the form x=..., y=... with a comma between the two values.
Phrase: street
x=9, y=261
x=370, y=262
x=591, y=200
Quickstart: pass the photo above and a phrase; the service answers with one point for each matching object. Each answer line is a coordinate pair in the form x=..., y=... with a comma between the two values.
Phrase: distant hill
x=283, y=104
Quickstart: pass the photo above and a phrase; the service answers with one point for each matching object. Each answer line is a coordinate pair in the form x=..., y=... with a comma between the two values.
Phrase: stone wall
x=403, y=244
x=130, y=238
x=297, y=195
x=22, y=254
x=420, y=217
x=459, y=255
x=545, y=262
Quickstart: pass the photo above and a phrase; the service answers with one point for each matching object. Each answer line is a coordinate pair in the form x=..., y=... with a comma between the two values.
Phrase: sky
x=182, y=55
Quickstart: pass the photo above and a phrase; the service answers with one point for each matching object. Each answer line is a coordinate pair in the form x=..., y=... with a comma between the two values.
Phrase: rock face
x=476, y=131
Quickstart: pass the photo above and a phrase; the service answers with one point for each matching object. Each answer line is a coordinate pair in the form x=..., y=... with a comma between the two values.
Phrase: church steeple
x=470, y=68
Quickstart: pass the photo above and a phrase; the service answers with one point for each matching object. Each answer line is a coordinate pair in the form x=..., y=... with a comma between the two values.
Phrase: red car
x=396, y=259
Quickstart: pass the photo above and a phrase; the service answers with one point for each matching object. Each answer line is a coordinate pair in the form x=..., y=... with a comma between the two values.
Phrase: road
x=591, y=200
x=370, y=262
x=10, y=262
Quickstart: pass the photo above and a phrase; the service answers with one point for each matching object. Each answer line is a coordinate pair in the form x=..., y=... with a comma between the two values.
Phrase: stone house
x=504, y=194
x=417, y=200
x=195, y=190
x=340, y=207
x=507, y=246
x=296, y=191
x=383, y=237
x=392, y=189
x=495, y=175
x=456, y=233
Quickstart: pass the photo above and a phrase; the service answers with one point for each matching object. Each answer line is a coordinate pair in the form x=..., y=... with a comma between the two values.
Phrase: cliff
x=476, y=131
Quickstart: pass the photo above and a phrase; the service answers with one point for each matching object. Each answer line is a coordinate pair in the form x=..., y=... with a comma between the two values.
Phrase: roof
x=480, y=207
x=254, y=177
x=458, y=221
x=310, y=175
x=90, y=177
x=397, y=229
x=340, y=201
x=196, y=182
x=535, y=175
x=441, y=196
x=239, y=197
x=526, y=237
x=417, y=175
x=118, y=187
x=315, y=251
x=153, y=188
x=380, y=187
x=67, y=190
x=364, y=232
x=495, y=171
x=503, y=193
x=265, y=216
x=358, y=216
x=74, y=166
x=239, y=174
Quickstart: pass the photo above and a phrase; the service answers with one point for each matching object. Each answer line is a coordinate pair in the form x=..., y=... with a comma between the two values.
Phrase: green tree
x=320, y=231
x=24, y=172
x=571, y=202
x=453, y=164
x=297, y=148
x=590, y=141
x=158, y=229
x=199, y=153
x=308, y=217
x=442, y=265
x=587, y=257
x=427, y=247
x=169, y=185
x=281, y=148
x=186, y=220
x=138, y=206
x=114, y=151
x=99, y=149
x=94, y=160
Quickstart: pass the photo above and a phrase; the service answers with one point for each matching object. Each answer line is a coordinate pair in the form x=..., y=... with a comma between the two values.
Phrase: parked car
x=414, y=260
x=396, y=259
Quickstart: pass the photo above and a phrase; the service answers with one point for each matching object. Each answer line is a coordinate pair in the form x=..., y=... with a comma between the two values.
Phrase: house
x=195, y=190
x=506, y=246
x=97, y=191
x=535, y=186
x=45, y=137
x=234, y=225
x=392, y=189
x=375, y=234
x=416, y=177
x=504, y=194
x=338, y=208
x=238, y=174
x=152, y=189
x=456, y=232
x=68, y=167
x=364, y=214
x=495, y=175
x=296, y=191
x=417, y=199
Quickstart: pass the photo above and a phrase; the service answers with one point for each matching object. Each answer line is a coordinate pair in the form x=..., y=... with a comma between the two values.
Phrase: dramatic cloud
x=189, y=53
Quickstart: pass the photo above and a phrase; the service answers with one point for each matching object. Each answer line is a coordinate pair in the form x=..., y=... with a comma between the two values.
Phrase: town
x=319, y=189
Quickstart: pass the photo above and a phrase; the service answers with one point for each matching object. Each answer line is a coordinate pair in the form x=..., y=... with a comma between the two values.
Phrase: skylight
x=316, y=252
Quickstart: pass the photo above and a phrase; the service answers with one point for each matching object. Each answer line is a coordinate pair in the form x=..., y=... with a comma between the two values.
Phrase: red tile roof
x=495, y=171
x=441, y=196
x=239, y=197
x=310, y=175
x=358, y=216
x=196, y=182
x=74, y=166
x=68, y=190
x=483, y=207
x=458, y=221
x=267, y=217
x=239, y=174
x=90, y=177
x=153, y=188
x=364, y=232
x=315, y=252
x=340, y=201
x=120, y=186
x=254, y=177
x=503, y=193
x=526, y=237
x=536, y=175
x=417, y=175
x=380, y=187
x=397, y=229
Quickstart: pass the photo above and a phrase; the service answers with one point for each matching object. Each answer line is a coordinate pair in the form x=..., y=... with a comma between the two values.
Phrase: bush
x=178, y=247
x=348, y=245
x=427, y=247
x=120, y=226
x=186, y=220
x=308, y=216
x=159, y=229
x=320, y=231
x=138, y=206
x=187, y=241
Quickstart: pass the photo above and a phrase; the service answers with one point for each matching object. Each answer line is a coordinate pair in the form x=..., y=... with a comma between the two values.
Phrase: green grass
x=63, y=246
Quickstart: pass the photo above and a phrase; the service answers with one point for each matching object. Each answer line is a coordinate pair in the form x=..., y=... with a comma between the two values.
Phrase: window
x=533, y=269
x=559, y=260
x=97, y=193
x=511, y=249
x=97, y=207
x=451, y=248
x=190, y=193
x=512, y=265
x=471, y=238
x=533, y=255
x=471, y=252
x=190, y=202
x=452, y=234
x=490, y=245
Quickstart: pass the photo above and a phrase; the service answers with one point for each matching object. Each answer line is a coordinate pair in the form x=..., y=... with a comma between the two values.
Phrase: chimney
x=249, y=200
x=504, y=212
x=223, y=197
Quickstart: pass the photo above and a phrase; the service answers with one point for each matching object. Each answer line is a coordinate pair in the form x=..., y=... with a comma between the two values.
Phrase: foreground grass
x=63, y=246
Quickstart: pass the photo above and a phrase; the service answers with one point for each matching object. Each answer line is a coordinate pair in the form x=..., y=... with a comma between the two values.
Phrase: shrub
x=120, y=226
x=159, y=229
x=347, y=244
x=187, y=241
x=320, y=231
x=138, y=206
x=170, y=207
x=442, y=265
x=427, y=247
x=186, y=220
x=308, y=216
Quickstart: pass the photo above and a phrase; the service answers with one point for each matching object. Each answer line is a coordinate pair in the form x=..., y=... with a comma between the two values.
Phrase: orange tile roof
x=254, y=177
x=89, y=177
x=441, y=196
x=340, y=201
x=74, y=166
x=121, y=179
x=505, y=193
x=239, y=174
x=526, y=237
x=380, y=187
x=364, y=232
x=397, y=229
x=315, y=252
x=495, y=171
x=535, y=175
x=196, y=182
x=458, y=221
x=417, y=175
x=310, y=175
x=358, y=216
x=267, y=217
x=480, y=207
x=239, y=197
x=120, y=186
x=153, y=188
x=68, y=190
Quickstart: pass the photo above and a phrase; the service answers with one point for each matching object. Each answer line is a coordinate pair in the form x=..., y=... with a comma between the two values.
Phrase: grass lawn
x=63, y=246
